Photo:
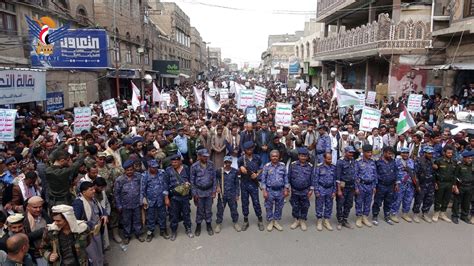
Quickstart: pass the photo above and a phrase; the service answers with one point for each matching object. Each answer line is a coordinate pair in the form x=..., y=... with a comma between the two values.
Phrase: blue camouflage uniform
x=387, y=177
x=248, y=186
x=300, y=179
x=154, y=188
x=405, y=195
x=437, y=151
x=229, y=193
x=323, y=146
x=274, y=180
x=203, y=180
x=180, y=209
x=345, y=177
x=424, y=198
x=324, y=183
x=127, y=199
x=366, y=181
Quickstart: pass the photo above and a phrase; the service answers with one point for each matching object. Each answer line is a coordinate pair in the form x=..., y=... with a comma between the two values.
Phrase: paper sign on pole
x=370, y=119
x=361, y=104
x=82, y=119
x=414, y=103
x=7, y=124
x=166, y=97
x=260, y=96
x=371, y=97
x=313, y=91
x=245, y=99
x=283, y=114
x=110, y=108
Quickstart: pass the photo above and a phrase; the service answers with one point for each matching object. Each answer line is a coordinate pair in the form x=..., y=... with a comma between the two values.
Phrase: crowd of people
x=65, y=196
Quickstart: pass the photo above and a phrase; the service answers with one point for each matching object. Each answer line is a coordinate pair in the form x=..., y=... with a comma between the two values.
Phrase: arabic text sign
x=361, y=102
x=224, y=94
x=110, y=108
x=166, y=97
x=78, y=49
x=371, y=97
x=54, y=101
x=82, y=119
x=7, y=124
x=414, y=103
x=22, y=86
x=245, y=99
x=370, y=119
x=260, y=96
x=283, y=114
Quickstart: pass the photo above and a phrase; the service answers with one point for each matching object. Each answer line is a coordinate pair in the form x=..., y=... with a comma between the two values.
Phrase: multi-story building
x=205, y=57
x=453, y=30
x=197, y=66
x=379, y=45
x=276, y=60
x=284, y=37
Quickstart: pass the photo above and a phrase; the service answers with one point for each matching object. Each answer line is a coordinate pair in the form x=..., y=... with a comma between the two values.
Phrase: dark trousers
x=300, y=206
x=443, y=196
x=221, y=203
x=384, y=194
x=462, y=201
x=131, y=220
x=344, y=204
x=180, y=210
x=250, y=189
x=424, y=198
x=154, y=215
x=204, y=210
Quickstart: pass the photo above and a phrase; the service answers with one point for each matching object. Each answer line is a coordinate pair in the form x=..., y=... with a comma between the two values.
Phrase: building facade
x=215, y=58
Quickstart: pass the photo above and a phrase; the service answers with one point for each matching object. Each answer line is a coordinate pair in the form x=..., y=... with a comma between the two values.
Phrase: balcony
x=327, y=8
x=379, y=37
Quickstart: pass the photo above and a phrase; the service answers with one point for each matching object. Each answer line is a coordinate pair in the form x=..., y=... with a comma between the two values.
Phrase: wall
x=404, y=79
x=60, y=80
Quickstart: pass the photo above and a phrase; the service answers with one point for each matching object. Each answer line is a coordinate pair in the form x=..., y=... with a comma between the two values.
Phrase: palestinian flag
x=405, y=122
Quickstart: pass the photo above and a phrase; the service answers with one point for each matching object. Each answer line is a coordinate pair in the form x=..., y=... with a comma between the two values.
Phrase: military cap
x=10, y=160
x=127, y=141
x=466, y=154
x=404, y=150
x=248, y=145
x=153, y=164
x=203, y=152
x=367, y=147
x=228, y=159
x=128, y=163
x=349, y=149
x=137, y=139
x=303, y=150
x=428, y=149
x=175, y=157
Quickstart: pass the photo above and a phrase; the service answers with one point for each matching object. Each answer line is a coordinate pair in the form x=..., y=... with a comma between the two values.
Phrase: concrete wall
x=61, y=80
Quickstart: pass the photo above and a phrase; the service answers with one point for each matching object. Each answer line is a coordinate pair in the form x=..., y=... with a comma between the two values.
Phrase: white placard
x=82, y=119
x=361, y=104
x=245, y=99
x=260, y=96
x=166, y=97
x=313, y=91
x=371, y=97
x=414, y=103
x=283, y=114
x=7, y=124
x=284, y=90
x=110, y=108
x=370, y=119
x=224, y=94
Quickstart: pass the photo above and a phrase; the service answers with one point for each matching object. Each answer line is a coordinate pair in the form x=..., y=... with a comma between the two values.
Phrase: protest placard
x=283, y=114
x=245, y=99
x=260, y=96
x=251, y=114
x=371, y=97
x=110, y=108
x=166, y=97
x=361, y=104
x=82, y=119
x=370, y=119
x=414, y=103
x=7, y=124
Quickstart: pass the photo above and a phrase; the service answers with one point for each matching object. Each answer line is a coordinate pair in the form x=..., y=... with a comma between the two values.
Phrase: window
x=139, y=59
x=147, y=58
x=468, y=8
x=128, y=57
x=7, y=18
x=82, y=14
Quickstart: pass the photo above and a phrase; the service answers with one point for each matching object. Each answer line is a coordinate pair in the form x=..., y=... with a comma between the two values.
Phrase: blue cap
x=303, y=150
x=128, y=163
x=404, y=150
x=248, y=145
x=168, y=132
x=10, y=160
x=175, y=157
x=466, y=154
x=428, y=149
x=228, y=159
x=203, y=152
x=367, y=147
x=127, y=141
x=137, y=139
x=349, y=149
x=153, y=164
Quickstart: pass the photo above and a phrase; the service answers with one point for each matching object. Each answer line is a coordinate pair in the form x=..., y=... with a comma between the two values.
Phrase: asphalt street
x=404, y=243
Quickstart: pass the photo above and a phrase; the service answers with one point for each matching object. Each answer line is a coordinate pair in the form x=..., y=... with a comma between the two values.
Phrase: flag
x=211, y=104
x=405, y=122
x=135, y=96
x=156, y=94
x=198, y=95
x=182, y=102
x=345, y=97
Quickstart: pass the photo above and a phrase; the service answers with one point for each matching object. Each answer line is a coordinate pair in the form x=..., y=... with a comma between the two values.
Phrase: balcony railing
x=382, y=36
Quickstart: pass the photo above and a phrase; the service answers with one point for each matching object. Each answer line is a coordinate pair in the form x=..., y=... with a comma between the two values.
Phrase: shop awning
x=184, y=75
x=453, y=66
x=169, y=76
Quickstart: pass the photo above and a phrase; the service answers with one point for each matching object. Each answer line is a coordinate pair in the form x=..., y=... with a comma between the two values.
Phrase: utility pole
x=116, y=52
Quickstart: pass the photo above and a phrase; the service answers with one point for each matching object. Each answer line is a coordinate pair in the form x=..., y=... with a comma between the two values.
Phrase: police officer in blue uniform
x=345, y=182
x=178, y=196
x=323, y=145
x=300, y=177
x=404, y=196
x=387, y=184
x=366, y=181
x=204, y=185
x=228, y=193
x=127, y=200
x=249, y=167
x=325, y=191
x=275, y=186
x=152, y=195
x=425, y=187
